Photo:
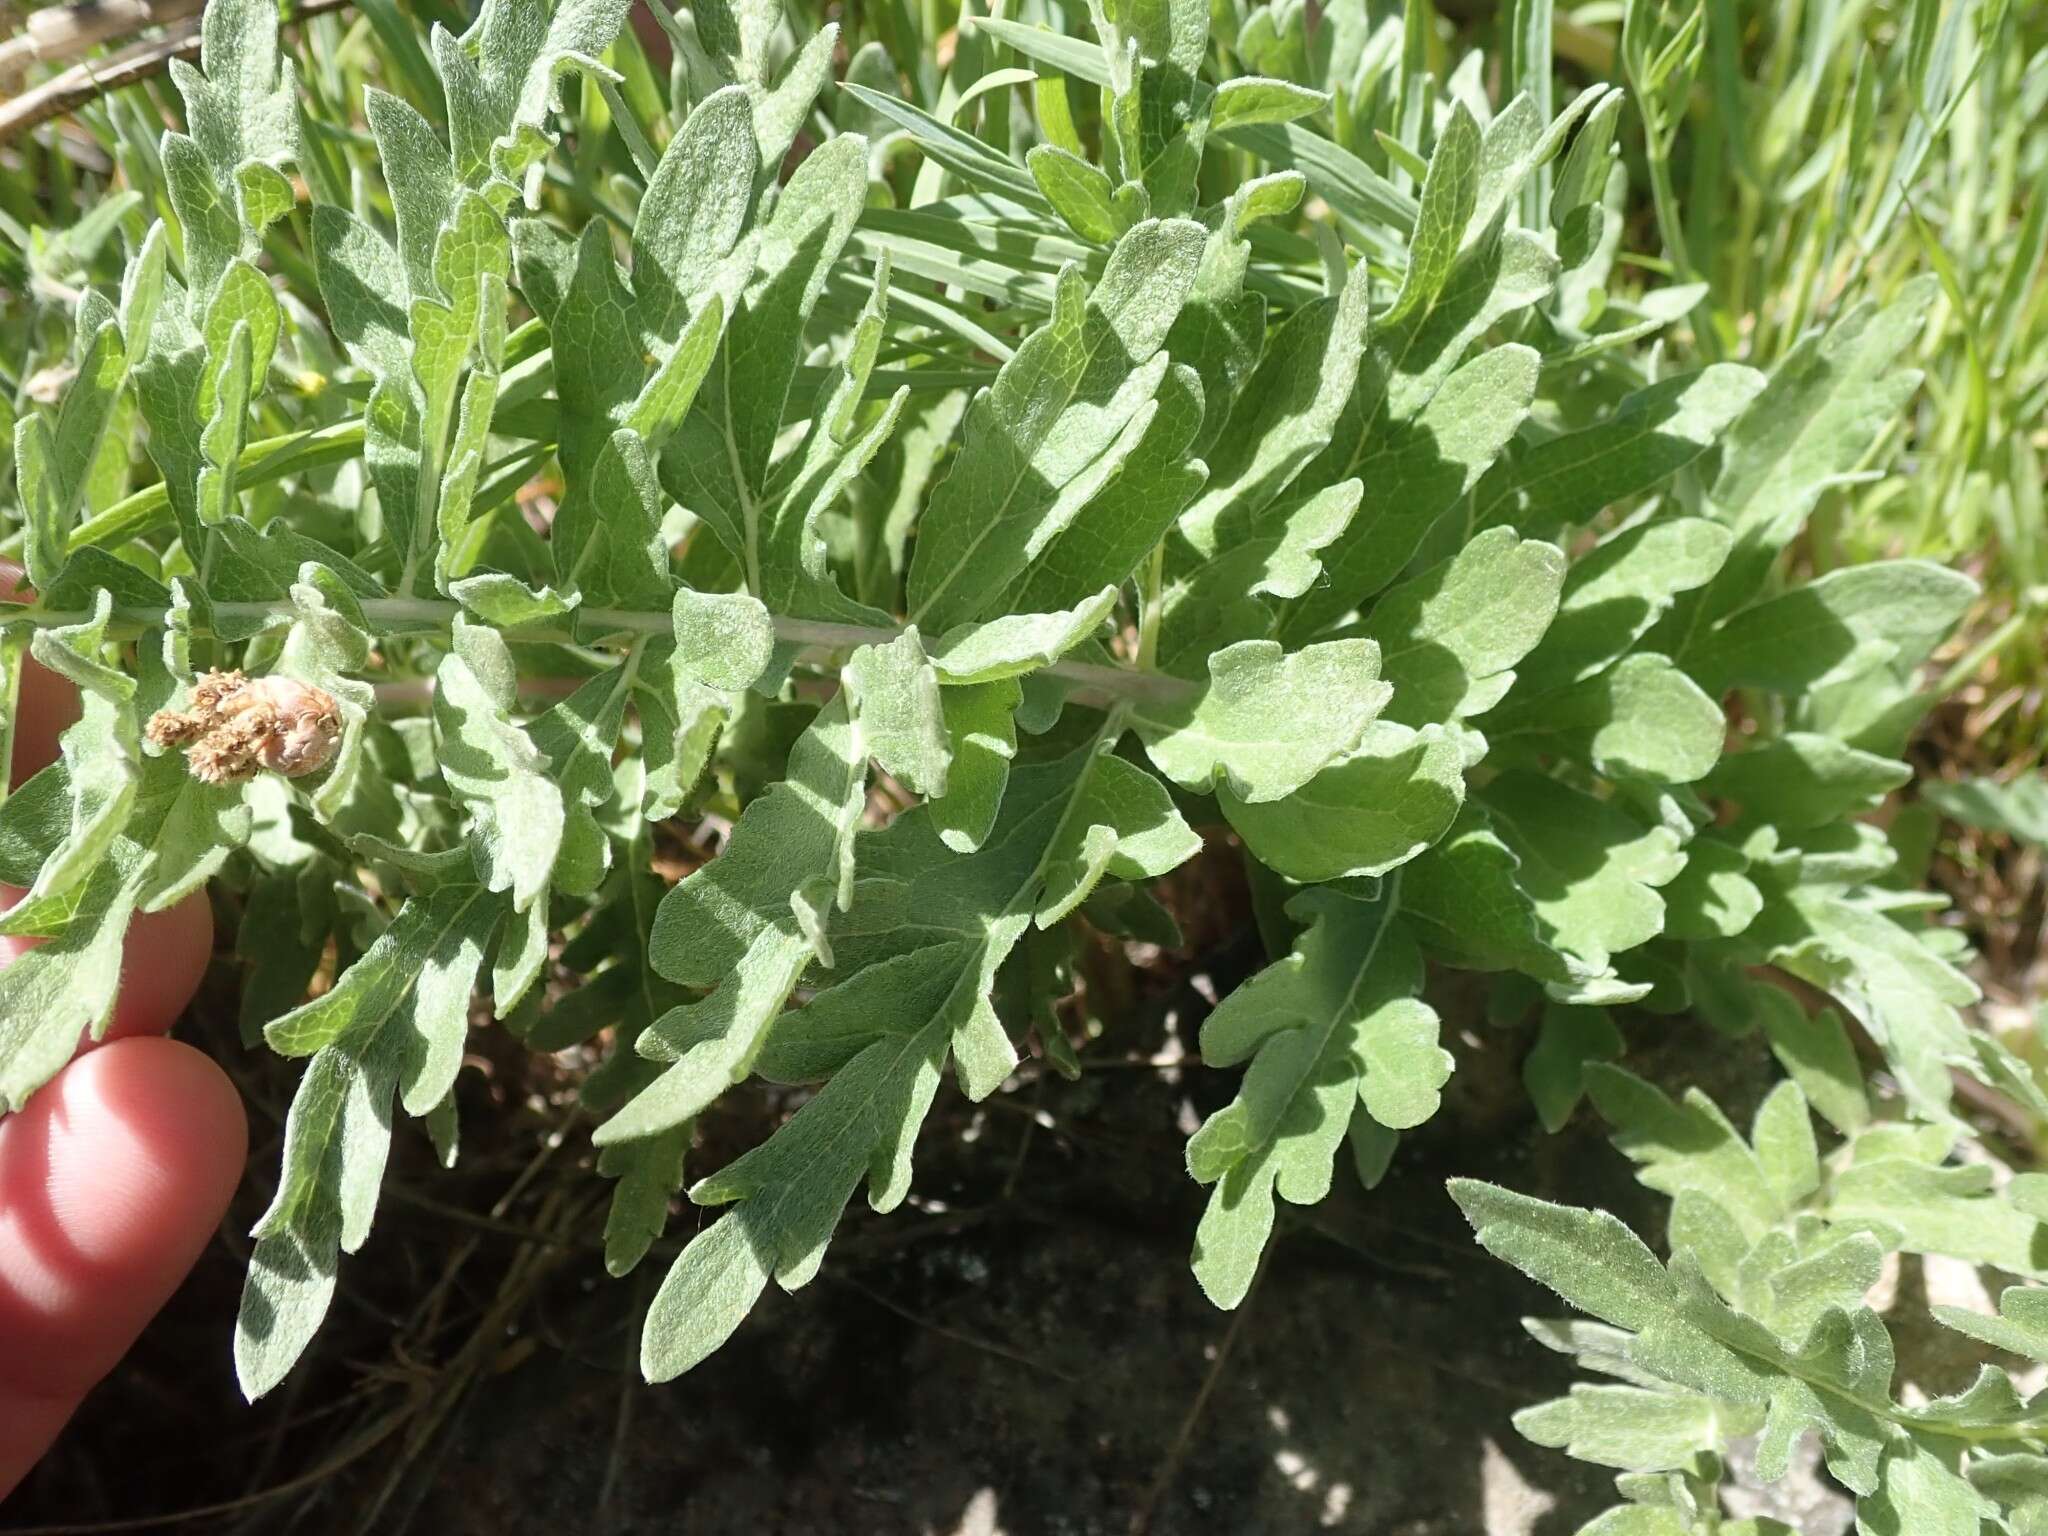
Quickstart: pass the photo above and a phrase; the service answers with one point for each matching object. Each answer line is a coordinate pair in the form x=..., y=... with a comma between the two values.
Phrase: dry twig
x=93, y=78
x=65, y=31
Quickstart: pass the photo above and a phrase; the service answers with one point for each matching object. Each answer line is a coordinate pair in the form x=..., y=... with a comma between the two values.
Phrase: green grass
x=1826, y=154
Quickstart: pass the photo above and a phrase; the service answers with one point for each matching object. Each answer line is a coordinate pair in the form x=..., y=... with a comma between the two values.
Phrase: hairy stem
x=405, y=615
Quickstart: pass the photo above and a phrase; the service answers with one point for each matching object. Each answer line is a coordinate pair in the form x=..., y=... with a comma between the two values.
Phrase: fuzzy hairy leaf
x=495, y=769
x=393, y=1027
x=1333, y=1031
x=1063, y=414
x=1814, y=422
x=747, y=925
x=1590, y=870
x=1265, y=723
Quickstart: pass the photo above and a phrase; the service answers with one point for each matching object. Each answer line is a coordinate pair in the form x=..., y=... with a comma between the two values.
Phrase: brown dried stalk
x=86, y=81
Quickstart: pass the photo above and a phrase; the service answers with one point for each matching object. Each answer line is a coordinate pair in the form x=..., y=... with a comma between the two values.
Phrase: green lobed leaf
x=1288, y=410
x=1062, y=415
x=1332, y=1031
x=1414, y=471
x=1897, y=988
x=1448, y=636
x=1617, y=591
x=718, y=461
x=893, y=692
x=1017, y=643
x=1844, y=622
x=1266, y=722
x=1562, y=481
x=495, y=769
x=1373, y=810
x=2018, y=809
x=1589, y=868
x=1804, y=779
x=1570, y=1041
x=981, y=732
x=1588, y=1257
x=1640, y=719
x=748, y=923
x=1825, y=405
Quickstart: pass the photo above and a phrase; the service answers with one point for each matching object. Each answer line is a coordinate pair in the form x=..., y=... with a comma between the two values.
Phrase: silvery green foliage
x=1758, y=1324
x=977, y=540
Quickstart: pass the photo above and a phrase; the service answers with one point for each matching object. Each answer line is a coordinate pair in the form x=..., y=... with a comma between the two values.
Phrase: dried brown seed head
x=237, y=726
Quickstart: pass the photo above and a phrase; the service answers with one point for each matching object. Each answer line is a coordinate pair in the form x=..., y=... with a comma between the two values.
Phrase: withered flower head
x=239, y=725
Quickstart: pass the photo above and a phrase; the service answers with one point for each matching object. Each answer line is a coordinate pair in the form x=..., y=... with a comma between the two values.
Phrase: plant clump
x=977, y=485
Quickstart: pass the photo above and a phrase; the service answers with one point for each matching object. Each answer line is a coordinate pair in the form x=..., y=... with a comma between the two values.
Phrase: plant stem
x=1148, y=612
x=1671, y=225
x=403, y=615
x=13, y=651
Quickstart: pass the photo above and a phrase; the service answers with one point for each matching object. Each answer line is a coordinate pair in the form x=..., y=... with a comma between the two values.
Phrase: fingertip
x=48, y=708
x=162, y=961
x=147, y=1142
x=112, y=1179
x=47, y=705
